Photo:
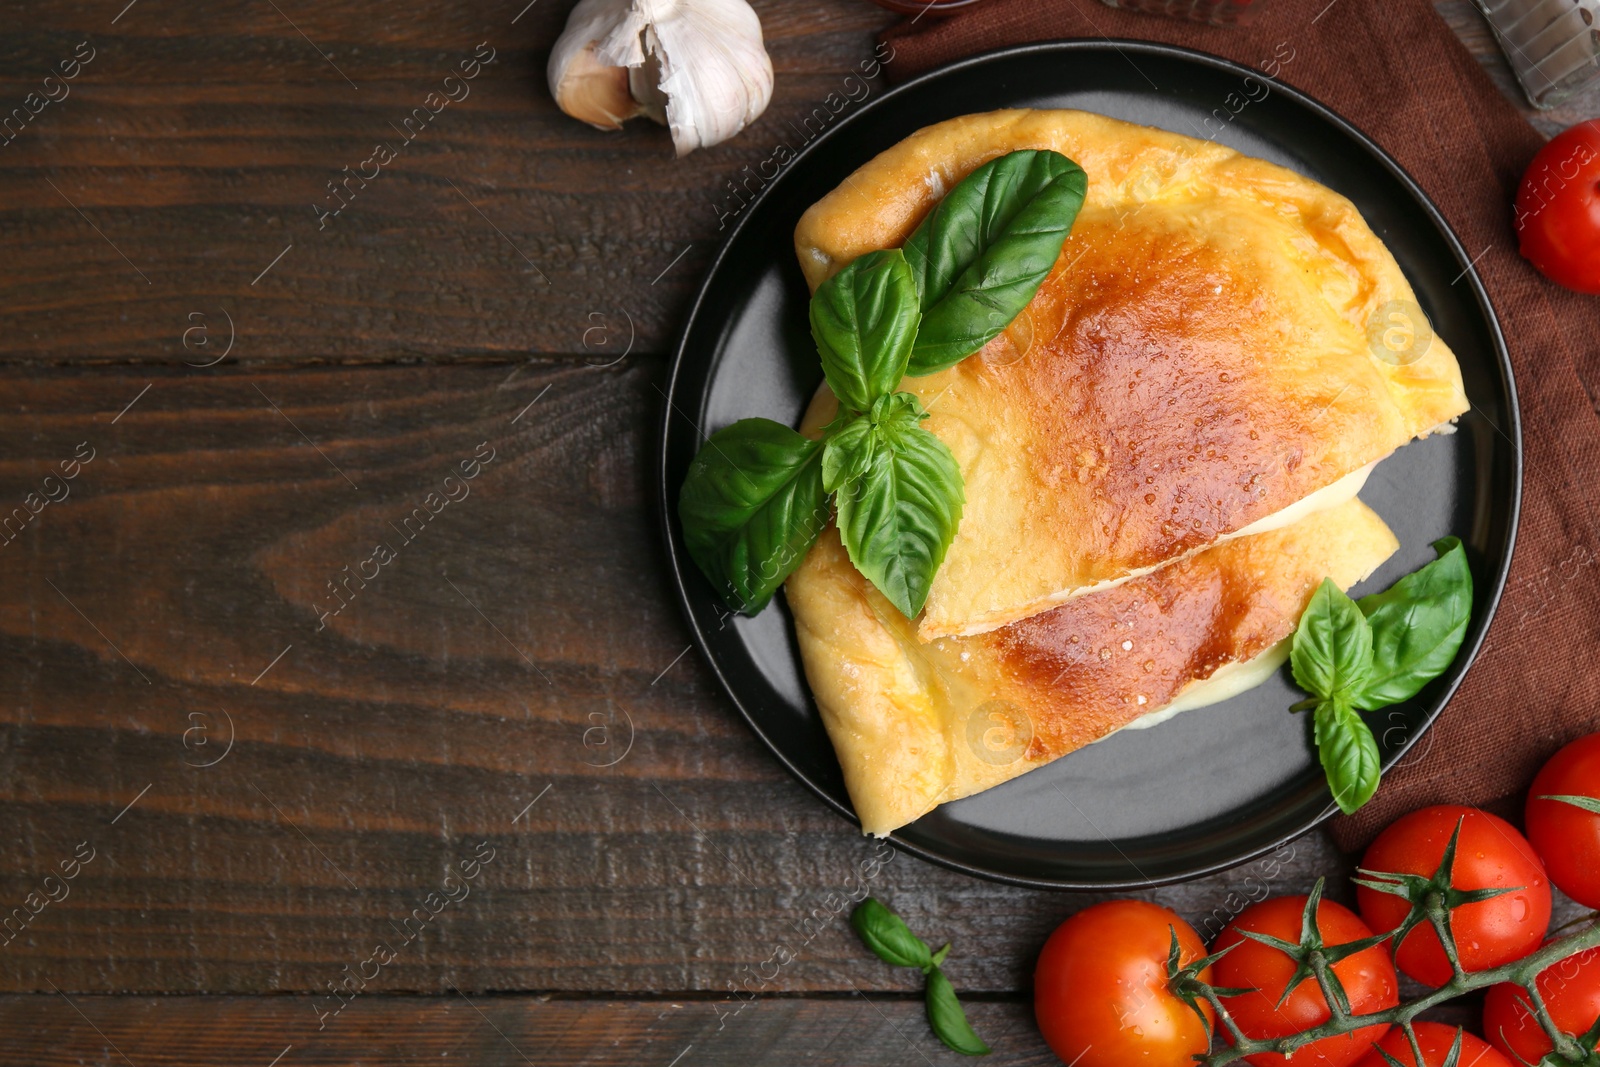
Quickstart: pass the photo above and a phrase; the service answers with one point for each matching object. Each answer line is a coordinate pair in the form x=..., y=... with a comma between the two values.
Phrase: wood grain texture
x=520, y=641
x=191, y=150
x=864, y=1029
x=503, y=652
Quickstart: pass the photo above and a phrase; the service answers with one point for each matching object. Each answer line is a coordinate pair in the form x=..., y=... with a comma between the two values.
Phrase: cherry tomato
x=1565, y=835
x=1368, y=979
x=1435, y=1040
x=1100, y=989
x=1570, y=991
x=1558, y=209
x=1489, y=854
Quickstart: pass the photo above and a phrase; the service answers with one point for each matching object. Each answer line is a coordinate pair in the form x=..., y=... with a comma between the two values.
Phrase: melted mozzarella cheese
x=1226, y=682
x=1328, y=496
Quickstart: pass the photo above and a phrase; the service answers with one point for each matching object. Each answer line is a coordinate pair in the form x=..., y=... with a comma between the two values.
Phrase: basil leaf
x=1332, y=650
x=864, y=320
x=887, y=935
x=1417, y=625
x=897, y=412
x=1348, y=752
x=846, y=452
x=751, y=507
x=947, y=1018
x=982, y=252
x=898, y=518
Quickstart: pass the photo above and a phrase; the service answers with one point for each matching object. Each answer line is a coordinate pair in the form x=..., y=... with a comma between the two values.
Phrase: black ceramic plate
x=1212, y=787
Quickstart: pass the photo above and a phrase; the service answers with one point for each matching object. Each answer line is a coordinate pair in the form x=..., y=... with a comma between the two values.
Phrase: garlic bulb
x=697, y=66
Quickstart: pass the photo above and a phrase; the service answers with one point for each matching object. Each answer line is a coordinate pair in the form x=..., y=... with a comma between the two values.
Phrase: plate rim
x=676, y=553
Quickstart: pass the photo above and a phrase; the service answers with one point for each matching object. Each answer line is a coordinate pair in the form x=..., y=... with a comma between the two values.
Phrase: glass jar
x=1552, y=45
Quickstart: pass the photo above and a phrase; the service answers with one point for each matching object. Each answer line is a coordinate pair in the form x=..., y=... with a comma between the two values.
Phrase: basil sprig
x=756, y=496
x=896, y=487
x=1354, y=656
x=982, y=252
x=892, y=941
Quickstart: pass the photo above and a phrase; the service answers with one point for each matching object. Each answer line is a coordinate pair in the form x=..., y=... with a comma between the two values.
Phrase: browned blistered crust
x=901, y=712
x=1198, y=360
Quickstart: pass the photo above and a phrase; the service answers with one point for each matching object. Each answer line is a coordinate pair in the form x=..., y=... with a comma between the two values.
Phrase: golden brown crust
x=911, y=721
x=1198, y=360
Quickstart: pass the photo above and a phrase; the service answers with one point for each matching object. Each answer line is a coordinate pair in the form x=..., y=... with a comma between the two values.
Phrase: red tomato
x=1570, y=990
x=1368, y=979
x=1489, y=854
x=1558, y=209
x=1435, y=1040
x=1567, y=836
x=1100, y=989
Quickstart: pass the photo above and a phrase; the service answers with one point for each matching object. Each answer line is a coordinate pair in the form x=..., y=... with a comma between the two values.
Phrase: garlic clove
x=595, y=93
x=699, y=66
x=644, y=82
x=583, y=86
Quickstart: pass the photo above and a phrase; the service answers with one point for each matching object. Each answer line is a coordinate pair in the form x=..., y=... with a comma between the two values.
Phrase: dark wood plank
x=172, y=601
x=522, y=639
x=864, y=1029
x=462, y=683
x=195, y=144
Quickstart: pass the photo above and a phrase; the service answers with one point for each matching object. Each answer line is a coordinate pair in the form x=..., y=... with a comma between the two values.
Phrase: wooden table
x=274, y=749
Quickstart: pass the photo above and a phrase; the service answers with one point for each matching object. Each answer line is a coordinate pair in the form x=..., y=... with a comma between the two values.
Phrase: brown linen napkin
x=1398, y=73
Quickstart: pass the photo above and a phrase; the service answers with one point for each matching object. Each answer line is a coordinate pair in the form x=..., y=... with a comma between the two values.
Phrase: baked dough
x=918, y=724
x=1197, y=362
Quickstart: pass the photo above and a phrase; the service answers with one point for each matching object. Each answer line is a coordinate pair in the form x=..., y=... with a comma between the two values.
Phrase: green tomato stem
x=1523, y=972
x=1561, y=1042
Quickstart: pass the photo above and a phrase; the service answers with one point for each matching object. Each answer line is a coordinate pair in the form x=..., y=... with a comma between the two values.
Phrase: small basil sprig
x=756, y=496
x=892, y=941
x=982, y=252
x=897, y=488
x=1354, y=656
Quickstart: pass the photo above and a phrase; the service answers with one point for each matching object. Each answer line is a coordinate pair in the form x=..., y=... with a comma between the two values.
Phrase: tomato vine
x=1432, y=900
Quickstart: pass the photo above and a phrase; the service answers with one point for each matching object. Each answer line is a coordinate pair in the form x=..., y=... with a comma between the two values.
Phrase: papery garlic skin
x=583, y=86
x=704, y=57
